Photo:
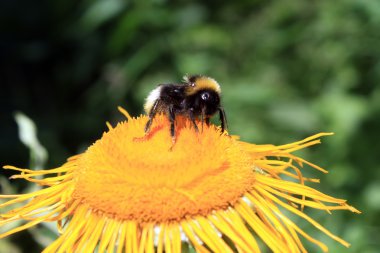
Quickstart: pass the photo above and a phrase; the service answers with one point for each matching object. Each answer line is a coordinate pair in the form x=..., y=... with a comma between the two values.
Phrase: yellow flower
x=129, y=193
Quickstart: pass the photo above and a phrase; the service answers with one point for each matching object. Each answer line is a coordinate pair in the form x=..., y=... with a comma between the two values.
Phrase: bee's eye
x=205, y=96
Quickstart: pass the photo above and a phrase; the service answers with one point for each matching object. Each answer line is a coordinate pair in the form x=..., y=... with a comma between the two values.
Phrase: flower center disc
x=152, y=180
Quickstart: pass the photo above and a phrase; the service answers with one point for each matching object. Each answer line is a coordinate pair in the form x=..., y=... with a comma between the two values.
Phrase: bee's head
x=209, y=99
x=203, y=94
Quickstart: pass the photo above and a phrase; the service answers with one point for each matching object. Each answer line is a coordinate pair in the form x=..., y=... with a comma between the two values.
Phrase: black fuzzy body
x=177, y=99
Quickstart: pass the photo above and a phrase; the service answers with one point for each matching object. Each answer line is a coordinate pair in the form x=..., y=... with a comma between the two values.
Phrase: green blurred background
x=288, y=69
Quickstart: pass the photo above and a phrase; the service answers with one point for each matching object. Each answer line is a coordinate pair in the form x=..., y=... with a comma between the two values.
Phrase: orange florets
x=152, y=181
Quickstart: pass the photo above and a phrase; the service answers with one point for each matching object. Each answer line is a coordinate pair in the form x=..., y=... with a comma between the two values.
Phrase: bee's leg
x=192, y=118
x=207, y=120
x=203, y=116
x=172, y=121
x=151, y=116
x=223, y=119
x=202, y=120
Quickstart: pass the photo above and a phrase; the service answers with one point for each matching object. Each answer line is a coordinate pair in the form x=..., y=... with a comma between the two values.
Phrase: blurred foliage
x=287, y=69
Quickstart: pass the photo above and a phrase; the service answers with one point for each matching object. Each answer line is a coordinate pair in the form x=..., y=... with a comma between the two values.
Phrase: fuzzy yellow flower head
x=134, y=193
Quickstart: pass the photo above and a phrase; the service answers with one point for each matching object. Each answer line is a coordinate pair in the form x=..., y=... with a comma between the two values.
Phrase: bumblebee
x=198, y=97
